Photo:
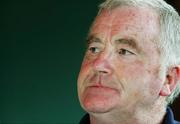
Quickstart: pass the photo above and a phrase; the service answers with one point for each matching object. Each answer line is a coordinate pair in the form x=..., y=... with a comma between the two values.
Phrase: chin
x=99, y=104
x=98, y=108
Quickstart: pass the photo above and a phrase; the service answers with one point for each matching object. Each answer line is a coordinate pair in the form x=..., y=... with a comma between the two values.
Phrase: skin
x=121, y=78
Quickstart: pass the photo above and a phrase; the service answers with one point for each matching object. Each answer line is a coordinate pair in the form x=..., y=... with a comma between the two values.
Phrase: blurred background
x=42, y=43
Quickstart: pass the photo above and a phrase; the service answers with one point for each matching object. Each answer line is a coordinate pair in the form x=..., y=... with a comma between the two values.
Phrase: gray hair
x=169, y=43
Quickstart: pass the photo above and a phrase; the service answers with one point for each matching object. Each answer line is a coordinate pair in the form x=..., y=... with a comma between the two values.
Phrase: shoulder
x=176, y=122
x=169, y=118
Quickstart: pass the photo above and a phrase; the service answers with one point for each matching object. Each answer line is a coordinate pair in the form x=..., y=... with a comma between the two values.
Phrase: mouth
x=101, y=87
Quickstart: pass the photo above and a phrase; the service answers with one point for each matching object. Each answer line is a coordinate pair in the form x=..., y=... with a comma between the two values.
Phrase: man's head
x=132, y=58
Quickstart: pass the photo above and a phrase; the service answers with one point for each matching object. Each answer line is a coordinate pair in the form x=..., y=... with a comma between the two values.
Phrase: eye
x=94, y=49
x=125, y=52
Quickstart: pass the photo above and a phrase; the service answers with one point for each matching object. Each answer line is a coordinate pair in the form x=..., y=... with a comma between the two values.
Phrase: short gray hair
x=169, y=43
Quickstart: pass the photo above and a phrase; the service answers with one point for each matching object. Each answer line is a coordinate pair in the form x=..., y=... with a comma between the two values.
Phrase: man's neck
x=149, y=115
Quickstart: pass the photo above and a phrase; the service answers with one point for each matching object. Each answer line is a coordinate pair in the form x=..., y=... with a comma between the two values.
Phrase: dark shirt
x=168, y=119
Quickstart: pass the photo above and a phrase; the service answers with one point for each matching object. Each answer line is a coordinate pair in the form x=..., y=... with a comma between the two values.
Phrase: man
x=131, y=69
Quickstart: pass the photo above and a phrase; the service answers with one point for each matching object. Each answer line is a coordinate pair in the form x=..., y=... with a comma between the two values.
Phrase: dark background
x=42, y=43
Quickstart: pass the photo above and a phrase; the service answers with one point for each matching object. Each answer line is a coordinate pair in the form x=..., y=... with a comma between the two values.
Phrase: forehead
x=126, y=22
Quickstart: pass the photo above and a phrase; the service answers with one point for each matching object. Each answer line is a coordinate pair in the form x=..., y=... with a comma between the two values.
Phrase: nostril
x=103, y=72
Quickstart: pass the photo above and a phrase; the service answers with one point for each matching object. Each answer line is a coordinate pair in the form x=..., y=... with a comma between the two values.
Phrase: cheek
x=86, y=65
x=155, y=85
x=155, y=79
x=133, y=77
x=139, y=76
x=84, y=72
x=130, y=71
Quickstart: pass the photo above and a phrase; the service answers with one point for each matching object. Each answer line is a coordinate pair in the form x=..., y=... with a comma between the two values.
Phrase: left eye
x=125, y=52
x=94, y=49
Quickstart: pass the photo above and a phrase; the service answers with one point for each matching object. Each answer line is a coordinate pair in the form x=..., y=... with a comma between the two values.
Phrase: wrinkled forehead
x=139, y=18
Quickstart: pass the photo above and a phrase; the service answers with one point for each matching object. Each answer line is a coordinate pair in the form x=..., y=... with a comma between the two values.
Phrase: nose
x=102, y=64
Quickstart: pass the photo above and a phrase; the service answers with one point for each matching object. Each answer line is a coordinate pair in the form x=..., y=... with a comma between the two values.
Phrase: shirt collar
x=168, y=119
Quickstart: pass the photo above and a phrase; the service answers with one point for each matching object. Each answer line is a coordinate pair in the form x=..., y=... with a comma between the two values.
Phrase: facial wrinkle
x=110, y=26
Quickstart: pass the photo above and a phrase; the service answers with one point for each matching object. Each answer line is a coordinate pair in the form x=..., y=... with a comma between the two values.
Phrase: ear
x=172, y=78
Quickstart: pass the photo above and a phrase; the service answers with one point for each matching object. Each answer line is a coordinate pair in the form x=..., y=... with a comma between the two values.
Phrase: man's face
x=121, y=68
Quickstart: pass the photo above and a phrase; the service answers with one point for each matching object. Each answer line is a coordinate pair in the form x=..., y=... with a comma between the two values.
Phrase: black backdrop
x=42, y=43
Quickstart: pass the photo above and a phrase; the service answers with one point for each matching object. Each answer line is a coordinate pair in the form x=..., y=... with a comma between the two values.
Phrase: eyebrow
x=130, y=42
x=92, y=38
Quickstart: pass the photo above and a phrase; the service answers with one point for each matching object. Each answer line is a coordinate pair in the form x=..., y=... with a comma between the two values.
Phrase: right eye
x=94, y=50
